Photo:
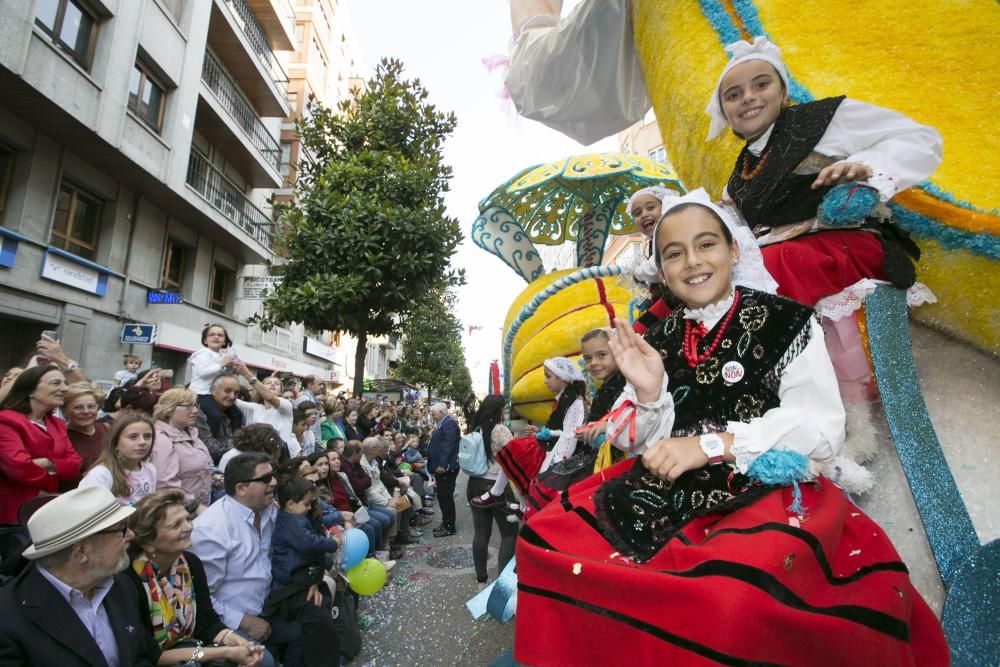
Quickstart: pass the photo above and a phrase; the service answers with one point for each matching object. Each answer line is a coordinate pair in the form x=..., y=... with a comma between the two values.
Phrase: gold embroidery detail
x=753, y=318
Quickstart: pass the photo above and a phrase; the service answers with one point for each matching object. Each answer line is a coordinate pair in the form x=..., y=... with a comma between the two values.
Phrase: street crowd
x=231, y=520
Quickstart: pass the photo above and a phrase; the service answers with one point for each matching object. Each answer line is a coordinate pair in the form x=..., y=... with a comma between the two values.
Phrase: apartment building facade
x=139, y=147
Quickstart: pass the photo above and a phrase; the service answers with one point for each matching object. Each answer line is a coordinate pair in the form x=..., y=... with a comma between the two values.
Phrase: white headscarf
x=750, y=270
x=741, y=52
x=564, y=369
x=657, y=191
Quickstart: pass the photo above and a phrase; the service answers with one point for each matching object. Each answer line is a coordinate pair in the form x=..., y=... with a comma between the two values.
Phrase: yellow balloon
x=367, y=577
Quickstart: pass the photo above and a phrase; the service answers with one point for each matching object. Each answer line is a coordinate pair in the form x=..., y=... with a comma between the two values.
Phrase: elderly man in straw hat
x=70, y=606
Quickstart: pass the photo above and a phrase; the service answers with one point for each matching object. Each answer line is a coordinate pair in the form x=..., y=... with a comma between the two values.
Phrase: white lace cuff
x=746, y=446
x=850, y=299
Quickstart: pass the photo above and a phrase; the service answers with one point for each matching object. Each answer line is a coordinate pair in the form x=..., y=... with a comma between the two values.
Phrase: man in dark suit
x=72, y=606
x=443, y=462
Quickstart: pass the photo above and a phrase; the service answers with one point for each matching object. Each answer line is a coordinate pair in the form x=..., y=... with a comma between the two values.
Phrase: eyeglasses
x=119, y=529
x=186, y=405
x=265, y=479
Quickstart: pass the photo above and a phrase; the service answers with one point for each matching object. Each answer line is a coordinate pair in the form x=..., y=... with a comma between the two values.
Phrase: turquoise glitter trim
x=949, y=237
x=946, y=521
x=945, y=196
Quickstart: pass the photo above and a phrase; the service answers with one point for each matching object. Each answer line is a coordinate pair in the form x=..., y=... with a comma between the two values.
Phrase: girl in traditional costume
x=523, y=458
x=729, y=540
x=813, y=179
x=593, y=450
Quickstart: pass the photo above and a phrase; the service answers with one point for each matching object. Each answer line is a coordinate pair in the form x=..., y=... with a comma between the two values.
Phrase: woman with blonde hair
x=87, y=435
x=182, y=460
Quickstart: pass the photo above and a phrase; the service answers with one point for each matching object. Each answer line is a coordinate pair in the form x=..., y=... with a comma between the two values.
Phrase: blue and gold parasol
x=581, y=198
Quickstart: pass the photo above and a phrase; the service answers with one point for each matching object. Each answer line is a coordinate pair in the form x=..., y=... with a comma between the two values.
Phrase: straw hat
x=70, y=518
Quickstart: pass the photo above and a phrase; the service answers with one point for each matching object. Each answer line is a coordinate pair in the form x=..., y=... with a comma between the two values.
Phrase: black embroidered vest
x=778, y=194
x=763, y=336
x=637, y=512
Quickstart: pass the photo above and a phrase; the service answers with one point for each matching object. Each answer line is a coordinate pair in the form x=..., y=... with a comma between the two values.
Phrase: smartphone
x=54, y=335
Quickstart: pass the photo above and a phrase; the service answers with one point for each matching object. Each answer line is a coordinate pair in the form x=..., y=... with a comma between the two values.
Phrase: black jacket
x=40, y=628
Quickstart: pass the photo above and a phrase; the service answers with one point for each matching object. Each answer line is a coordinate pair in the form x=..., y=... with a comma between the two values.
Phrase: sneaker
x=425, y=519
x=427, y=511
x=489, y=501
x=441, y=531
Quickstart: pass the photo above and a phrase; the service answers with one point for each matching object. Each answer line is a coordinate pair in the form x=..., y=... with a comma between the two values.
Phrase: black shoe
x=395, y=553
x=406, y=539
x=489, y=502
x=441, y=531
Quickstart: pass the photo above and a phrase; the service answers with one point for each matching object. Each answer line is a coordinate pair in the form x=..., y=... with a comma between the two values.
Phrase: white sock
x=499, y=485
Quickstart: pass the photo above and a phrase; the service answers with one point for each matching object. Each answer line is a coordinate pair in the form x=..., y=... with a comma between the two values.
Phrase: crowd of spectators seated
x=237, y=497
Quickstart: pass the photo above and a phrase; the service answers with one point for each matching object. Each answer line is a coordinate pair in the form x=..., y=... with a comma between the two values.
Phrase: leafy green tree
x=432, y=348
x=366, y=234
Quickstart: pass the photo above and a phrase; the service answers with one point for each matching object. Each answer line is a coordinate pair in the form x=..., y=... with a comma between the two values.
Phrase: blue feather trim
x=779, y=467
x=848, y=204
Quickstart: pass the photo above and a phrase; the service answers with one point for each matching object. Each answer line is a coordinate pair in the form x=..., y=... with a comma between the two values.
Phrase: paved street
x=420, y=618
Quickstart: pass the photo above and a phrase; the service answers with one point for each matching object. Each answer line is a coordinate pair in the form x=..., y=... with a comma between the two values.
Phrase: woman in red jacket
x=35, y=452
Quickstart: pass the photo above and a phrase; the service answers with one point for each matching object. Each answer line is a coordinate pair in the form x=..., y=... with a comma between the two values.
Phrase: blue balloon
x=354, y=547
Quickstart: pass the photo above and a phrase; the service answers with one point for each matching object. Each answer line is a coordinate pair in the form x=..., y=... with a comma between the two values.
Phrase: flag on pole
x=494, y=377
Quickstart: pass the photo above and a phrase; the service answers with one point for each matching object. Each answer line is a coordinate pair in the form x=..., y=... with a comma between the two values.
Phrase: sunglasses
x=119, y=529
x=265, y=479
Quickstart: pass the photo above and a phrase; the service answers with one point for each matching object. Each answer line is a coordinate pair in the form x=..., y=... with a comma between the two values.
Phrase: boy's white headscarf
x=750, y=270
x=741, y=52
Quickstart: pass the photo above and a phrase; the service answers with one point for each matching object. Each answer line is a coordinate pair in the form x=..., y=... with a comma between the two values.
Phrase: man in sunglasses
x=73, y=606
x=233, y=539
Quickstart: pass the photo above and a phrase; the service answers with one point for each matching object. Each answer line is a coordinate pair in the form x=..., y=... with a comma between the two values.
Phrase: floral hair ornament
x=741, y=52
x=564, y=369
x=750, y=270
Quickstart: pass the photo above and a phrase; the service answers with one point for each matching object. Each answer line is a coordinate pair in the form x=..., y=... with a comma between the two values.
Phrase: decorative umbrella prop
x=581, y=198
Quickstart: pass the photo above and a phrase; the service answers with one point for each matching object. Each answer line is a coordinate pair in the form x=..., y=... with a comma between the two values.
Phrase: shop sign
x=318, y=349
x=68, y=272
x=141, y=334
x=257, y=287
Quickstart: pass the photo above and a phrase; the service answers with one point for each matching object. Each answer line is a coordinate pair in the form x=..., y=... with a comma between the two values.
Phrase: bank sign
x=142, y=334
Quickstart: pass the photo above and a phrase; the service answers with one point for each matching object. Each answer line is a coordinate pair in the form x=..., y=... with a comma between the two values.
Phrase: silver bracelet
x=198, y=655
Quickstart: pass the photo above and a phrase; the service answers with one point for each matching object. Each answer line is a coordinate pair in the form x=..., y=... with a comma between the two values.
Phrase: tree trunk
x=359, y=364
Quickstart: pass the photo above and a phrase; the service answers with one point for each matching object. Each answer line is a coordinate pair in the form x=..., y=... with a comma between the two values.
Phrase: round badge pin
x=733, y=372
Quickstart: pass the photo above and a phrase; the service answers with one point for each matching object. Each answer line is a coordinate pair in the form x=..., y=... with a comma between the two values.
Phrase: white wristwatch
x=714, y=448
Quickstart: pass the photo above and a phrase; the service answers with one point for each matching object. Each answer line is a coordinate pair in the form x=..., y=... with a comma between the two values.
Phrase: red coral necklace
x=694, y=333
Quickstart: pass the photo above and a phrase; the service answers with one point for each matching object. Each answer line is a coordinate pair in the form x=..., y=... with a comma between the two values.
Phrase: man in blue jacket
x=443, y=462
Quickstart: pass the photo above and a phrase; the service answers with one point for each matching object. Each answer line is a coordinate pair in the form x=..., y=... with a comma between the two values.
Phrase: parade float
x=658, y=52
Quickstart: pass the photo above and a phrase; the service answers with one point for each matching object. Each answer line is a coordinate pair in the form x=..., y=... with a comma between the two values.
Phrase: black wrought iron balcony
x=258, y=42
x=228, y=199
x=234, y=102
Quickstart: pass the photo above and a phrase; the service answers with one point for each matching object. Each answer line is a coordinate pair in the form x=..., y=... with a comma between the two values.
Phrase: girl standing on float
x=523, y=458
x=818, y=239
x=725, y=541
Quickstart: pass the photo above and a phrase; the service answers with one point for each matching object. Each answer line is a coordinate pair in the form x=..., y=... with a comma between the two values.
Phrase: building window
x=219, y=289
x=77, y=222
x=6, y=169
x=145, y=97
x=658, y=154
x=286, y=158
x=72, y=27
x=175, y=7
x=174, y=258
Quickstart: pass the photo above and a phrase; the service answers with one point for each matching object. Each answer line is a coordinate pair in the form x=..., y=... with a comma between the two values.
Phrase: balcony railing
x=228, y=199
x=258, y=42
x=229, y=95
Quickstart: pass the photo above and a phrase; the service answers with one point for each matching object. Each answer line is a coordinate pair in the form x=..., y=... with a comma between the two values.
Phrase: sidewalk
x=420, y=618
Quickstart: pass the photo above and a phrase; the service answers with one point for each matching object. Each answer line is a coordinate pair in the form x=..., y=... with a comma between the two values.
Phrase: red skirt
x=753, y=586
x=810, y=267
x=521, y=459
